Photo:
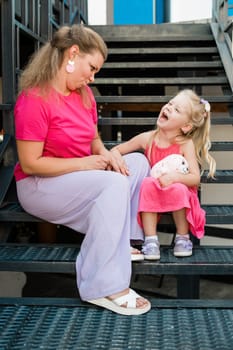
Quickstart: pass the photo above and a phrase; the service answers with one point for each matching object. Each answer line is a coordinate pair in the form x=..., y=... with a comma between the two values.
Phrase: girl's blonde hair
x=45, y=63
x=199, y=116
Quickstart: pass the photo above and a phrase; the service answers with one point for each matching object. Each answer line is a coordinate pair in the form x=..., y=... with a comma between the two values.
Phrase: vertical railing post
x=8, y=72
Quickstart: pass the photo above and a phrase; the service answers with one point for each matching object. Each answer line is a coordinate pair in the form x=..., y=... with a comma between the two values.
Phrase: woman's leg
x=139, y=169
x=96, y=203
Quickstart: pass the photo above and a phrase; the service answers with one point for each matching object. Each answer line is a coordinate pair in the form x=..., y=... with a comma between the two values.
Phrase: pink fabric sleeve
x=31, y=118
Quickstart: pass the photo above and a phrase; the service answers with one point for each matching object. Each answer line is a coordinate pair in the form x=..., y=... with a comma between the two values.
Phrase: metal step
x=222, y=146
x=155, y=99
x=188, y=50
x=218, y=214
x=215, y=214
x=158, y=38
x=55, y=258
x=152, y=121
x=165, y=32
x=162, y=81
x=193, y=65
x=55, y=323
x=221, y=176
x=13, y=212
x=6, y=106
x=3, y=145
x=215, y=146
x=6, y=176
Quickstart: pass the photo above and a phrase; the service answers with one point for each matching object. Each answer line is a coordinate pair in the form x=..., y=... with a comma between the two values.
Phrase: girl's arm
x=190, y=179
x=193, y=177
x=136, y=143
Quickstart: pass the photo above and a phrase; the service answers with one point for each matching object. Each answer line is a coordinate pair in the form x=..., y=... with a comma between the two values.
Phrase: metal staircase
x=146, y=66
x=149, y=64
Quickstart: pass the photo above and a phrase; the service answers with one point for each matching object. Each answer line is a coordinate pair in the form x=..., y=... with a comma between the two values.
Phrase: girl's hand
x=168, y=179
x=117, y=162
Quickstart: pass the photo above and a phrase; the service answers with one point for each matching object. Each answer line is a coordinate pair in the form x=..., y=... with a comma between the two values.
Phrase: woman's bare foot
x=136, y=254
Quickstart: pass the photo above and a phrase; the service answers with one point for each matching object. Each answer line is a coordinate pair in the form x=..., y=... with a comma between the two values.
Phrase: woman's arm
x=115, y=162
x=33, y=163
x=97, y=145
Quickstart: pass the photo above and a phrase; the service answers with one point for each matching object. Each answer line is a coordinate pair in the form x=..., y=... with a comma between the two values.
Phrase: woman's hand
x=95, y=162
x=113, y=158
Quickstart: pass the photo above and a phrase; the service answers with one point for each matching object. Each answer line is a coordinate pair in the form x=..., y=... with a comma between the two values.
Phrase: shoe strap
x=184, y=241
x=130, y=299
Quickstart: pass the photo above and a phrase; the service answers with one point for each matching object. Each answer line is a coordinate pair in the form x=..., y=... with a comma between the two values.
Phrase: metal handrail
x=222, y=28
x=220, y=15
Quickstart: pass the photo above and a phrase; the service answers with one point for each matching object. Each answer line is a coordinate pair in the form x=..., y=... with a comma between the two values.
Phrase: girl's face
x=175, y=114
x=85, y=68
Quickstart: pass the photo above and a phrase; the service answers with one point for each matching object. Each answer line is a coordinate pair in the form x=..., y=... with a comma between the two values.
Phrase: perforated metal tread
x=215, y=214
x=166, y=81
x=72, y=325
x=61, y=259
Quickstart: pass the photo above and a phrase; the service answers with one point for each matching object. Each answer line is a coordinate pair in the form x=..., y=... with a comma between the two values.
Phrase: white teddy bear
x=173, y=162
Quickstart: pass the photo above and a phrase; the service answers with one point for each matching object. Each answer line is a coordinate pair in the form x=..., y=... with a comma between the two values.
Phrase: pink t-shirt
x=63, y=123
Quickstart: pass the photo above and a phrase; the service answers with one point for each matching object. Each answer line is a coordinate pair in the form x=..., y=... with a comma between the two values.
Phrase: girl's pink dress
x=154, y=198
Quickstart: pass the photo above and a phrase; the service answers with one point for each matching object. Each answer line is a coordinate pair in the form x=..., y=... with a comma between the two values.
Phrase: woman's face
x=175, y=114
x=85, y=68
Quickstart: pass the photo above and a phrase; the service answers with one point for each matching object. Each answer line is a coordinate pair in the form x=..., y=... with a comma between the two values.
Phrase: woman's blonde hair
x=199, y=117
x=45, y=63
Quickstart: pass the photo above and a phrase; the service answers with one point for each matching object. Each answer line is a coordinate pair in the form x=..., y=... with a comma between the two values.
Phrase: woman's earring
x=70, y=66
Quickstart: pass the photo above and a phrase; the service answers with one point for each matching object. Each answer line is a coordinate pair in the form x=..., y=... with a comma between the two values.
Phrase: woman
x=62, y=172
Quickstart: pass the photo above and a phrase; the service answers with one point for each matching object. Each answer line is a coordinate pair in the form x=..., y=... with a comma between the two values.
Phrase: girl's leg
x=183, y=245
x=149, y=222
x=151, y=245
x=182, y=225
x=148, y=219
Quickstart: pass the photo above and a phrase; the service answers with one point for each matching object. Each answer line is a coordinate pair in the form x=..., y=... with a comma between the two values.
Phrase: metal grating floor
x=85, y=327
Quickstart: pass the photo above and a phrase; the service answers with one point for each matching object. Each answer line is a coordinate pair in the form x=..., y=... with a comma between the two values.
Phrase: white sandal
x=115, y=304
x=136, y=255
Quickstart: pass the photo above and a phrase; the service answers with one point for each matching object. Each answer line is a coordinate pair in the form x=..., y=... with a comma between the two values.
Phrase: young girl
x=183, y=127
